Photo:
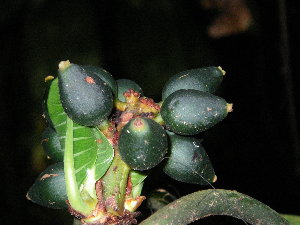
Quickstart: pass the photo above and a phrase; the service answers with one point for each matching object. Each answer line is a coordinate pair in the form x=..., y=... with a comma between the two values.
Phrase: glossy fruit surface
x=124, y=85
x=190, y=112
x=104, y=75
x=86, y=98
x=49, y=188
x=143, y=143
x=51, y=145
x=206, y=79
x=188, y=161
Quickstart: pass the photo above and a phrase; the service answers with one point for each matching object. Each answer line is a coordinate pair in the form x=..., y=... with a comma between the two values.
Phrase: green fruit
x=51, y=145
x=142, y=143
x=49, y=188
x=86, y=98
x=124, y=85
x=104, y=75
x=188, y=161
x=206, y=79
x=190, y=112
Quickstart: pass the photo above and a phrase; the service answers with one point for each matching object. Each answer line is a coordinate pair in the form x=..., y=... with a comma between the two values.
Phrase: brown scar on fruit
x=47, y=175
x=89, y=80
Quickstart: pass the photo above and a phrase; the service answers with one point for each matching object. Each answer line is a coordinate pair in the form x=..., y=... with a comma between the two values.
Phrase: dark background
x=254, y=151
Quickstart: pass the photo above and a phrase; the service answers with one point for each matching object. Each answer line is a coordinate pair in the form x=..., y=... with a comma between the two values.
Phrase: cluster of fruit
x=93, y=118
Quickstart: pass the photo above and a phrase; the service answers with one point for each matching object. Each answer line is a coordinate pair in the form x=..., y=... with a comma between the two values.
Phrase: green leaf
x=293, y=219
x=105, y=155
x=84, y=138
x=137, y=177
x=215, y=202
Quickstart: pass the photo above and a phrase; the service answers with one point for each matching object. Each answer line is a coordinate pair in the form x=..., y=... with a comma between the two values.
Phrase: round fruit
x=51, y=145
x=104, y=75
x=206, y=79
x=86, y=98
x=188, y=161
x=124, y=85
x=190, y=112
x=142, y=143
x=49, y=188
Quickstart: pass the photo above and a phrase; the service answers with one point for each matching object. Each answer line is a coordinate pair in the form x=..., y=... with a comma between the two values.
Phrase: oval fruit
x=49, y=188
x=190, y=112
x=86, y=98
x=206, y=79
x=51, y=145
x=142, y=143
x=124, y=85
x=188, y=161
x=104, y=75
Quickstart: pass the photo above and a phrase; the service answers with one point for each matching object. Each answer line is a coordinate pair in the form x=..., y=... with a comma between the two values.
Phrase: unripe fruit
x=51, y=145
x=124, y=85
x=142, y=143
x=188, y=161
x=49, y=188
x=86, y=98
x=206, y=79
x=190, y=112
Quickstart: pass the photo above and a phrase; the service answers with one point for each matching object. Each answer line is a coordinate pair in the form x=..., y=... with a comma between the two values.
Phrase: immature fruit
x=188, y=161
x=124, y=85
x=51, y=145
x=86, y=98
x=104, y=75
x=190, y=112
x=49, y=188
x=142, y=143
x=206, y=79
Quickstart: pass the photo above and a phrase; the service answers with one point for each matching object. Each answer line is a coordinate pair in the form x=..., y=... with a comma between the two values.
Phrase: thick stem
x=206, y=203
x=114, y=186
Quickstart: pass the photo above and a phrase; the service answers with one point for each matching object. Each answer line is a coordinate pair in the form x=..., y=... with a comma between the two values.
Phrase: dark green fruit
x=124, y=85
x=143, y=143
x=206, y=79
x=86, y=98
x=190, y=112
x=188, y=161
x=49, y=188
x=51, y=145
x=104, y=75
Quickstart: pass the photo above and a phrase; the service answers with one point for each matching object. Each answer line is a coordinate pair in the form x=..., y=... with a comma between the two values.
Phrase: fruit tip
x=229, y=107
x=48, y=78
x=215, y=179
x=64, y=65
x=222, y=71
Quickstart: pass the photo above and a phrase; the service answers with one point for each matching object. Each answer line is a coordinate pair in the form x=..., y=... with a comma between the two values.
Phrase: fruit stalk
x=114, y=186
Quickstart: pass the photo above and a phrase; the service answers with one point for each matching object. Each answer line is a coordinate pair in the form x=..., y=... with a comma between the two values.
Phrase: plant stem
x=212, y=202
x=114, y=185
x=73, y=193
